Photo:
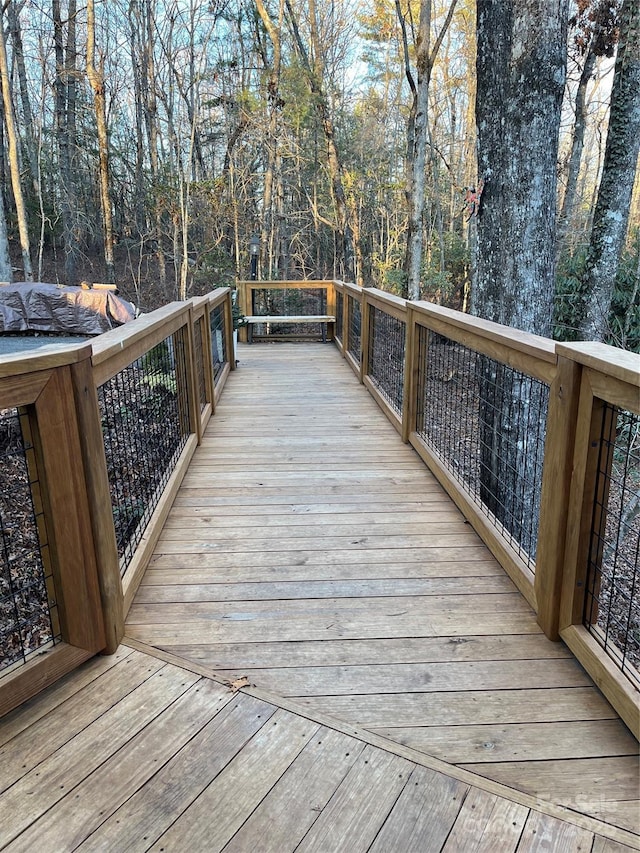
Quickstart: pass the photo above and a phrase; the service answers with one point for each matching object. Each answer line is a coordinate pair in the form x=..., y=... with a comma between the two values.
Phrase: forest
x=479, y=154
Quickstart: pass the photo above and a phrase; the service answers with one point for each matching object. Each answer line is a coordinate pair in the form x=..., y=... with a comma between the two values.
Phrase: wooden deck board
x=192, y=766
x=72, y=763
x=304, y=524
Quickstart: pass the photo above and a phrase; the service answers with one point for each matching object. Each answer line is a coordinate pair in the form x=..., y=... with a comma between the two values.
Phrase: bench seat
x=255, y=319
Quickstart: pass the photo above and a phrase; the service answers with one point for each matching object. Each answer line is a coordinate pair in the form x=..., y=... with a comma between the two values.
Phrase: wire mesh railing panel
x=29, y=619
x=218, y=340
x=387, y=340
x=354, y=345
x=487, y=423
x=199, y=355
x=145, y=424
x=339, y=316
x=612, y=599
x=287, y=302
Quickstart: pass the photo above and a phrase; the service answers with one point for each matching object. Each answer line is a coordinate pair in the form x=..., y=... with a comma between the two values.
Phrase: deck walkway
x=401, y=697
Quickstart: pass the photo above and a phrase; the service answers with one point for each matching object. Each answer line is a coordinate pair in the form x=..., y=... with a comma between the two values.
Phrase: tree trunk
x=147, y=81
x=611, y=215
x=520, y=73
x=64, y=86
x=269, y=236
x=18, y=57
x=96, y=80
x=14, y=158
x=136, y=31
x=415, y=233
x=417, y=135
x=6, y=272
x=346, y=223
x=570, y=195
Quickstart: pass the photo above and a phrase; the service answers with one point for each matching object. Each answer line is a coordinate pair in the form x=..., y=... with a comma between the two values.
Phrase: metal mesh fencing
x=145, y=424
x=487, y=423
x=288, y=302
x=218, y=340
x=387, y=340
x=29, y=620
x=339, y=316
x=612, y=605
x=199, y=354
x=354, y=346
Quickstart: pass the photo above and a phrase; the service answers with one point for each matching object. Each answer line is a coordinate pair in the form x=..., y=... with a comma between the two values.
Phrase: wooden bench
x=323, y=319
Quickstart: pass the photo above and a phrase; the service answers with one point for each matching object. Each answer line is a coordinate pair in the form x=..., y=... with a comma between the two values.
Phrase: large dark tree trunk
x=611, y=215
x=520, y=71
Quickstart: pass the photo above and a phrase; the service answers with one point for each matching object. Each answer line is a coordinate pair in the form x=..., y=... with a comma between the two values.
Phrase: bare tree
x=29, y=140
x=95, y=75
x=14, y=157
x=348, y=245
x=65, y=126
x=270, y=232
x=611, y=215
x=418, y=133
x=6, y=272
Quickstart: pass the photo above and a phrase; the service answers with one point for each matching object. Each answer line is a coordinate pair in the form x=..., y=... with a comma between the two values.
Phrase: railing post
x=60, y=449
x=230, y=354
x=99, y=498
x=189, y=392
x=346, y=321
x=581, y=504
x=206, y=355
x=601, y=393
x=331, y=306
x=411, y=376
x=556, y=488
x=365, y=334
x=244, y=309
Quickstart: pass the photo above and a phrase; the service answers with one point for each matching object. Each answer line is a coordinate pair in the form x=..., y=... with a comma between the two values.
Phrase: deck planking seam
x=468, y=777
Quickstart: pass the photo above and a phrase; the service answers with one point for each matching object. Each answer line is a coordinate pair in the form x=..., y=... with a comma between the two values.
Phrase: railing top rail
x=621, y=364
x=216, y=296
x=382, y=297
x=541, y=348
x=44, y=358
x=114, y=350
x=353, y=289
x=301, y=284
x=118, y=339
x=199, y=303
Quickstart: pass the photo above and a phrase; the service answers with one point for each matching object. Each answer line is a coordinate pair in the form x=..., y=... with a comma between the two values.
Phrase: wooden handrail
x=114, y=350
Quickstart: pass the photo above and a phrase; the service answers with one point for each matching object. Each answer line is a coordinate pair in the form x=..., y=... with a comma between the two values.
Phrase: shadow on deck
x=399, y=694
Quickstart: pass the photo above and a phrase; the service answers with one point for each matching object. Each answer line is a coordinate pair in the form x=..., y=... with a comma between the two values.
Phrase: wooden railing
x=256, y=298
x=434, y=371
x=106, y=433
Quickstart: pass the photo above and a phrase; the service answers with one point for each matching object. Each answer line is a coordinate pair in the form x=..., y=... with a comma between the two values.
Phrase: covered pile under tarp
x=37, y=307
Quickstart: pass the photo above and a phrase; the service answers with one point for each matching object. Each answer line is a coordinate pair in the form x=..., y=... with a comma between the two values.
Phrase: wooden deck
x=401, y=696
